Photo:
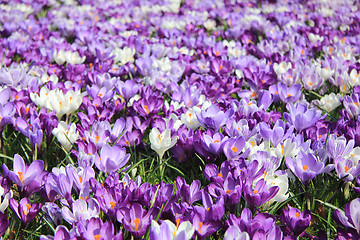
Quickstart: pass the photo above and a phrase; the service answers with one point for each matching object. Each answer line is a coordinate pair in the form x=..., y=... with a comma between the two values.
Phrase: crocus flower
x=22, y=174
x=136, y=220
x=24, y=210
x=301, y=117
x=305, y=166
x=168, y=230
x=81, y=210
x=61, y=233
x=262, y=193
x=295, y=221
x=161, y=142
x=234, y=233
x=67, y=137
x=96, y=229
x=111, y=158
x=213, y=117
x=4, y=223
x=349, y=219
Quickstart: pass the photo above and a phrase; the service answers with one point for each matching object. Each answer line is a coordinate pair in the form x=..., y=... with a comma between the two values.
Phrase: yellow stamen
x=112, y=204
x=146, y=109
x=234, y=149
x=20, y=176
x=297, y=215
x=305, y=168
x=200, y=225
x=137, y=222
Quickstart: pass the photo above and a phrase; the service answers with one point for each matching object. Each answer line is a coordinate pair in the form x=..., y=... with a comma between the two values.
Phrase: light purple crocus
x=295, y=221
x=213, y=117
x=289, y=94
x=111, y=158
x=306, y=166
x=81, y=210
x=23, y=174
x=301, y=116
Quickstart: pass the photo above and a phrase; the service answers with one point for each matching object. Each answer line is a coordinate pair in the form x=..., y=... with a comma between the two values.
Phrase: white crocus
x=161, y=142
x=74, y=58
x=65, y=135
x=329, y=102
x=325, y=73
x=45, y=78
x=282, y=182
x=354, y=78
x=4, y=201
x=56, y=100
x=59, y=57
x=74, y=99
x=287, y=149
x=124, y=55
x=175, y=230
x=190, y=119
x=281, y=68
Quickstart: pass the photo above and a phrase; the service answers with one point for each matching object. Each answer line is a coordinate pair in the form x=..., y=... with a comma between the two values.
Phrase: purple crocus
x=126, y=89
x=349, y=220
x=23, y=174
x=306, y=166
x=260, y=194
x=96, y=229
x=24, y=210
x=136, y=220
x=4, y=223
x=295, y=221
x=301, y=117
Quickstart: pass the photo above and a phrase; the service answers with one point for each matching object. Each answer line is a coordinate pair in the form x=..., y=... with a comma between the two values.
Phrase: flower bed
x=179, y=119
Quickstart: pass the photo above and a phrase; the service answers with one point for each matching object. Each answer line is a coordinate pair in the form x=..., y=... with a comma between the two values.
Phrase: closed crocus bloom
x=161, y=142
x=22, y=174
x=65, y=135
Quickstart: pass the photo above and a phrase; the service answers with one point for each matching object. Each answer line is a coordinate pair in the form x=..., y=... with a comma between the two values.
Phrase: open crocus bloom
x=161, y=142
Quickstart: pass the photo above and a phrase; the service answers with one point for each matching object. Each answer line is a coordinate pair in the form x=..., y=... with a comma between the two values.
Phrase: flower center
x=305, y=168
x=26, y=211
x=234, y=149
x=137, y=222
x=297, y=215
